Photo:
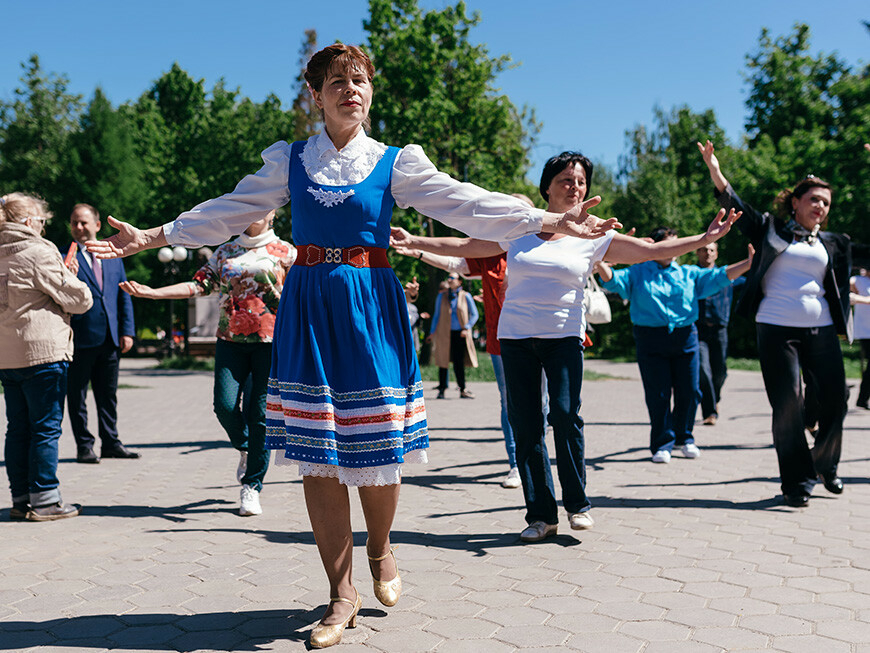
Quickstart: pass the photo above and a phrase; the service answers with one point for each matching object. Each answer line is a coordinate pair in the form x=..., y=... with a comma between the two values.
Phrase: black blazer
x=770, y=238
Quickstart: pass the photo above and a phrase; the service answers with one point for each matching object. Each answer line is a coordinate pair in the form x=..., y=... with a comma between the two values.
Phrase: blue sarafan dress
x=345, y=386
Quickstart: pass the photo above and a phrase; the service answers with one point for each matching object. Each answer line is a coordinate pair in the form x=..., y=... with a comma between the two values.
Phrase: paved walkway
x=698, y=555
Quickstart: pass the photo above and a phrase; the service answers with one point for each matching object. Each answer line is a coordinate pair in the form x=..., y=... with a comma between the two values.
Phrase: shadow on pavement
x=218, y=631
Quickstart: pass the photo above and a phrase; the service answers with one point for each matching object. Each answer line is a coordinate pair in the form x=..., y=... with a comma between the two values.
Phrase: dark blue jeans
x=785, y=353
x=712, y=350
x=244, y=421
x=561, y=360
x=668, y=363
x=34, y=412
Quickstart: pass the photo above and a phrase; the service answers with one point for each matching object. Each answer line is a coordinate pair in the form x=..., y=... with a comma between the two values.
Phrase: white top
x=546, y=278
x=861, y=324
x=793, y=286
x=415, y=183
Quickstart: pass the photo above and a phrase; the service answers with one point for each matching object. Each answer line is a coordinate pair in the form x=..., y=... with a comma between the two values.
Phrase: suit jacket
x=112, y=313
x=770, y=238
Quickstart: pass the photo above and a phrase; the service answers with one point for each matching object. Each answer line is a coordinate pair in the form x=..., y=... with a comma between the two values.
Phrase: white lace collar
x=326, y=165
x=260, y=240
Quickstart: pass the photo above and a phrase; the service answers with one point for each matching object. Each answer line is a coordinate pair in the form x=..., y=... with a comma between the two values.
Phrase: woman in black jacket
x=798, y=292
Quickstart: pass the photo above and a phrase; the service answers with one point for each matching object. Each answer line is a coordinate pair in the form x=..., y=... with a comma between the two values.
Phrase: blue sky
x=590, y=69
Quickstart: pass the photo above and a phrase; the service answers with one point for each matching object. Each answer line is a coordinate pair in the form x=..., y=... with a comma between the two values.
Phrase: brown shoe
x=710, y=420
x=466, y=394
x=18, y=511
x=53, y=511
x=119, y=451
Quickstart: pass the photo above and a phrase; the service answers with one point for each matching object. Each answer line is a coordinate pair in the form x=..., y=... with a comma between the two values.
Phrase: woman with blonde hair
x=38, y=292
x=345, y=396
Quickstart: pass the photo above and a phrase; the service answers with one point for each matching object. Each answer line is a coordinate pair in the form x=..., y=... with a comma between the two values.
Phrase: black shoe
x=53, y=511
x=466, y=394
x=797, y=500
x=833, y=484
x=862, y=404
x=18, y=511
x=441, y=394
x=87, y=456
x=119, y=451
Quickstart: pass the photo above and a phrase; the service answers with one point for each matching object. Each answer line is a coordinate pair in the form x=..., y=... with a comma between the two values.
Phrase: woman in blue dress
x=345, y=399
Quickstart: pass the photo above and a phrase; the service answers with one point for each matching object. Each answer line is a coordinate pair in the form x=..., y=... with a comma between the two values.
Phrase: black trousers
x=97, y=366
x=785, y=353
x=457, y=357
x=864, y=391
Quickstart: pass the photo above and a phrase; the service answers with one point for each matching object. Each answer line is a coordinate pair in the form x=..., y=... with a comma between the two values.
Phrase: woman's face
x=812, y=207
x=261, y=226
x=345, y=98
x=567, y=189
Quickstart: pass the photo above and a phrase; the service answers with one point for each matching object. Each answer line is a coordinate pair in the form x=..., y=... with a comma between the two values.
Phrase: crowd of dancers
x=322, y=329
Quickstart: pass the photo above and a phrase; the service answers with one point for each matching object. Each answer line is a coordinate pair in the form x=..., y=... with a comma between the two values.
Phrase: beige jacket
x=37, y=296
x=441, y=341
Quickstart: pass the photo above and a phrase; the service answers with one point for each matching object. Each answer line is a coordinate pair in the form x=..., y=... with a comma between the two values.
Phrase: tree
x=306, y=115
x=35, y=129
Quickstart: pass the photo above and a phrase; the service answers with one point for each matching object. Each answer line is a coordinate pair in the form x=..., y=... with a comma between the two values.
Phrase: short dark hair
x=557, y=164
x=88, y=207
x=660, y=233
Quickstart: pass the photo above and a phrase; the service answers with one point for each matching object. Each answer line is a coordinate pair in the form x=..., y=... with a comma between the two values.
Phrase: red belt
x=358, y=256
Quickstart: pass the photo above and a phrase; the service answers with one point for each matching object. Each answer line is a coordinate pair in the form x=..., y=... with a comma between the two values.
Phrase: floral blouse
x=249, y=273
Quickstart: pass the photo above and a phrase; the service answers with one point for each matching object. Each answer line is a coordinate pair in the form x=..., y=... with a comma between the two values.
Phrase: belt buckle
x=332, y=255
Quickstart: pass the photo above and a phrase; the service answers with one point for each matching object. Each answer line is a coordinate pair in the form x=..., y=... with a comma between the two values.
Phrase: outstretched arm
x=741, y=267
x=708, y=154
x=604, y=271
x=181, y=290
x=403, y=241
x=129, y=240
x=624, y=249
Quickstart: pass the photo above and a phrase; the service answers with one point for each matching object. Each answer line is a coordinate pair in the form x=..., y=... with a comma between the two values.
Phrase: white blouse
x=794, y=291
x=415, y=183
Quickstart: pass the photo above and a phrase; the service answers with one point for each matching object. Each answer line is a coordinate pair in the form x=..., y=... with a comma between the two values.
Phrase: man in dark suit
x=100, y=337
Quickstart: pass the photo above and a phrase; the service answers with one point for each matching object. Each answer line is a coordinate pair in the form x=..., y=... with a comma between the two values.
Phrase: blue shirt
x=454, y=317
x=666, y=297
x=715, y=310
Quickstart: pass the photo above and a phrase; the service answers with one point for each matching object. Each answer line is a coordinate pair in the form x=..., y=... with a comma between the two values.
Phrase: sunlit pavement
x=697, y=555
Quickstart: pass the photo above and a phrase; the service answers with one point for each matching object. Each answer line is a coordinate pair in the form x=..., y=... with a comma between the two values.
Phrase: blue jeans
x=244, y=421
x=34, y=412
x=668, y=363
x=509, y=444
x=561, y=359
x=786, y=353
x=712, y=351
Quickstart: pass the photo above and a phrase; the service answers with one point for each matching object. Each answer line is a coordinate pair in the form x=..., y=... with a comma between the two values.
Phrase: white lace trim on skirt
x=356, y=476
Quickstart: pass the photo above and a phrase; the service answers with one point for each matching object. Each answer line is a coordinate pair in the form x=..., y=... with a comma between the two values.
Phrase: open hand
x=136, y=289
x=578, y=222
x=721, y=225
x=129, y=240
x=708, y=153
x=400, y=238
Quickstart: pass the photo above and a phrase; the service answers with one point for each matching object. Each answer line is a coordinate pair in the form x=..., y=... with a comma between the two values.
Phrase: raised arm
x=709, y=156
x=182, y=290
x=741, y=267
x=627, y=250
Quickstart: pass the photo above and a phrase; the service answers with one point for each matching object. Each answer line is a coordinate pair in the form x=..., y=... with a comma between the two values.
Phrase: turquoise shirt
x=666, y=297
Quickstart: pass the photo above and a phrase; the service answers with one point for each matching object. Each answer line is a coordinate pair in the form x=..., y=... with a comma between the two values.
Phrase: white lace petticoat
x=356, y=476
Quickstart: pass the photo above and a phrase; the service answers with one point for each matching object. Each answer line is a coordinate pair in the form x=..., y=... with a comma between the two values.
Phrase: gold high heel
x=323, y=636
x=387, y=592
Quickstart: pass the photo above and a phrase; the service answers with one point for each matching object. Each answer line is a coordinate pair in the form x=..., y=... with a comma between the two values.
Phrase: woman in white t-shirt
x=798, y=292
x=541, y=329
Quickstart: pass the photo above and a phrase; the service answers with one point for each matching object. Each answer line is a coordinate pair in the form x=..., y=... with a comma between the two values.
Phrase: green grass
x=186, y=363
x=851, y=365
x=485, y=373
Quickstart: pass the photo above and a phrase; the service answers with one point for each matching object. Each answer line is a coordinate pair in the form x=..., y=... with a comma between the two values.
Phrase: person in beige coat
x=38, y=292
x=450, y=334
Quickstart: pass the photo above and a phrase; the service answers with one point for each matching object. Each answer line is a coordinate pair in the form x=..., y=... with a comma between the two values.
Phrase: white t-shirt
x=545, y=282
x=793, y=286
x=861, y=324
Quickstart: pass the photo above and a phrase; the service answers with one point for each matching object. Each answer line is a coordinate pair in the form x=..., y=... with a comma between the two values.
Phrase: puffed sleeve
x=214, y=221
x=477, y=212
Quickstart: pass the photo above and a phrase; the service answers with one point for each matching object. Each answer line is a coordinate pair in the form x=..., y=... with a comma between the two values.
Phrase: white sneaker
x=249, y=502
x=537, y=531
x=512, y=480
x=662, y=456
x=580, y=521
x=243, y=466
x=690, y=451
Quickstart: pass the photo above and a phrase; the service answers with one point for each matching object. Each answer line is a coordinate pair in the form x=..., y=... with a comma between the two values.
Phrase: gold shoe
x=387, y=592
x=323, y=636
